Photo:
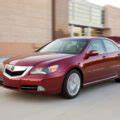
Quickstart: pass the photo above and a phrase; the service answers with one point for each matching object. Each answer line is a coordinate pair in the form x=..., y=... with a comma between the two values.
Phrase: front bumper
x=35, y=83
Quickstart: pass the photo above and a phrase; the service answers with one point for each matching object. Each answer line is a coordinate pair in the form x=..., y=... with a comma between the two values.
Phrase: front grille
x=17, y=73
x=12, y=71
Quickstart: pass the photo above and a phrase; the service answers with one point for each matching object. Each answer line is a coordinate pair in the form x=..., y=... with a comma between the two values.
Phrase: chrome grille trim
x=26, y=69
x=15, y=68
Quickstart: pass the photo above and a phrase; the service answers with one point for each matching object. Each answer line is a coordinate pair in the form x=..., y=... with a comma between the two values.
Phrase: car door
x=96, y=66
x=113, y=56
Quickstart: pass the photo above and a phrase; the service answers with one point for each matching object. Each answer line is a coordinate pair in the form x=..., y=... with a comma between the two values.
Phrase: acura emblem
x=12, y=68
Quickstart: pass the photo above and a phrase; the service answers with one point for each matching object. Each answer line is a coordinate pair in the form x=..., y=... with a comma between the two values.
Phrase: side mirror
x=91, y=54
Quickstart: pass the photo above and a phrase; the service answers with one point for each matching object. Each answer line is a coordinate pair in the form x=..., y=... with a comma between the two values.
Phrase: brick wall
x=28, y=24
x=15, y=48
x=24, y=21
x=112, y=21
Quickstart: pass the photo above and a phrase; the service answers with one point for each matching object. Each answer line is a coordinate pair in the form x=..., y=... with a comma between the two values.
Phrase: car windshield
x=69, y=46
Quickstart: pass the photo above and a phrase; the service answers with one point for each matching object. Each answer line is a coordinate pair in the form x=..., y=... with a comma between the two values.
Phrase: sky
x=115, y=3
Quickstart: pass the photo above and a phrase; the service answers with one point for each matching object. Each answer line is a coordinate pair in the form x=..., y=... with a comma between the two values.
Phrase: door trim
x=97, y=81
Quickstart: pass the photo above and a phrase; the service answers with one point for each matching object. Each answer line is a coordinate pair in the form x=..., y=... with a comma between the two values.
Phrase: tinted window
x=97, y=45
x=110, y=46
x=65, y=46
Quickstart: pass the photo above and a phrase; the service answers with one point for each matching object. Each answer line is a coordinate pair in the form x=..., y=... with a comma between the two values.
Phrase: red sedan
x=64, y=66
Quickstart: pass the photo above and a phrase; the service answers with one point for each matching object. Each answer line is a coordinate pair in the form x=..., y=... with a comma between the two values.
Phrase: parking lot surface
x=98, y=102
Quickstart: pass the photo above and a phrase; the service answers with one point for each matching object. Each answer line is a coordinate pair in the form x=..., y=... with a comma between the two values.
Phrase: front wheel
x=72, y=84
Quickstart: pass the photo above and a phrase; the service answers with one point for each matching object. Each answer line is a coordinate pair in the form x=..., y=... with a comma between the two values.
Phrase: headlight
x=46, y=70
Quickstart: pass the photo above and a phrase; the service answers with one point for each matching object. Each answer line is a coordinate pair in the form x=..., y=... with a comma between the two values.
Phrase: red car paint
x=93, y=69
x=115, y=38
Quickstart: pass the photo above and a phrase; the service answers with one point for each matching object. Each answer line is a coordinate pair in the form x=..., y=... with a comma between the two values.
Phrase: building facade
x=85, y=19
x=27, y=24
x=112, y=21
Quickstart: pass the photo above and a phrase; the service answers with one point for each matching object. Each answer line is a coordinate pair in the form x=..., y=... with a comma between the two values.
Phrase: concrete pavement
x=99, y=102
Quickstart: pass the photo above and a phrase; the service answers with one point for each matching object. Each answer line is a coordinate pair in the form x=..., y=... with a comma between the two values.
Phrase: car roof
x=88, y=38
x=81, y=38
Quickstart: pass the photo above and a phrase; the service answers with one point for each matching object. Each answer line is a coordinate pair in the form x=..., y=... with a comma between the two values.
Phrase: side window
x=97, y=45
x=110, y=46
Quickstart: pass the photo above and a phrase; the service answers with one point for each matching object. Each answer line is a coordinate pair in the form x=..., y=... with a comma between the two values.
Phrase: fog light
x=40, y=89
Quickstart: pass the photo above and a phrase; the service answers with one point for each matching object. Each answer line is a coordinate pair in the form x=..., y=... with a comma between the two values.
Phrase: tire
x=117, y=80
x=71, y=87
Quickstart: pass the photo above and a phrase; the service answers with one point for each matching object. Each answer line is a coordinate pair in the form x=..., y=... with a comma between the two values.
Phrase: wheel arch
x=79, y=70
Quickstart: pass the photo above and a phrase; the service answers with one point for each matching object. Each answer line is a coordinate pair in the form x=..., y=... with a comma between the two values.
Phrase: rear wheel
x=72, y=84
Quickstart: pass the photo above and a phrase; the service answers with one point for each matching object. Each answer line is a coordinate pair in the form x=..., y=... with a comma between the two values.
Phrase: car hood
x=34, y=59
